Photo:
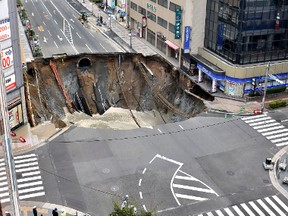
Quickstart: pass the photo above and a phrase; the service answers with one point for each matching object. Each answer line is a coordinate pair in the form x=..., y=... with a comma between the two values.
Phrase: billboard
x=5, y=32
x=187, y=39
x=4, y=9
x=10, y=82
x=7, y=58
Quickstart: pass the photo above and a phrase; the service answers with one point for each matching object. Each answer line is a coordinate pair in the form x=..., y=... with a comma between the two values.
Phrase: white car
x=267, y=164
x=285, y=180
x=283, y=165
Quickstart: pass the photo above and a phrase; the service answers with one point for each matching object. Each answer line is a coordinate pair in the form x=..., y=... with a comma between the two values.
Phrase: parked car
x=285, y=180
x=267, y=164
x=283, y=164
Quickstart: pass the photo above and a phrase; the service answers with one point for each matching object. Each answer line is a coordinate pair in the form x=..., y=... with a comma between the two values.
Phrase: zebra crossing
x=269, y=128
x=268, y=206
x=28, y=176
x=187, y=188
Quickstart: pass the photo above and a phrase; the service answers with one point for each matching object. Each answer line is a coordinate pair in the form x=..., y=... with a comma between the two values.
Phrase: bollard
x=22, y=139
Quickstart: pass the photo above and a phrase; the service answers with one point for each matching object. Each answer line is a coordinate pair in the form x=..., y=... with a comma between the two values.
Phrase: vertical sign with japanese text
x=187, y=39
x=178, y=20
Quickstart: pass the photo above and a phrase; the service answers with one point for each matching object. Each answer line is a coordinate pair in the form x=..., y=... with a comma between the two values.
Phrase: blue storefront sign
x=187, y=39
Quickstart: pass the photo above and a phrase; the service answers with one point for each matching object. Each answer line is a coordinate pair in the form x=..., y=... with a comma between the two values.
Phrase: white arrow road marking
x=45, y=40
x=59, y=38
x=72, y=20
x=32, y=14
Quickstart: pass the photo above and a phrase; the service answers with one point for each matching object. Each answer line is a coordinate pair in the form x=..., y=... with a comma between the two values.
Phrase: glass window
x=142, y=10
x=133, y=6
x=151, y=37
x=153, y=1
x=171, y=27
x=163, y=3
x=173, y=6
x=162, y=22
x=151, y=16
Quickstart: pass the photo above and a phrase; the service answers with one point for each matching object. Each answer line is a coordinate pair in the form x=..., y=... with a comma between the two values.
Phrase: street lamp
x=265, y=87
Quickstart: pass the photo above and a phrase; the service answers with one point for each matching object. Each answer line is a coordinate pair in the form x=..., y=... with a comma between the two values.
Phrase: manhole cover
x=230, y=173
x=114, y=188
x=106, y=170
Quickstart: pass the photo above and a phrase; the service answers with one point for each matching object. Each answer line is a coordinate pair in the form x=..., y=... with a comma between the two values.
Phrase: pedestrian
x=54, y=212
x=34, y=211
x=63, y=212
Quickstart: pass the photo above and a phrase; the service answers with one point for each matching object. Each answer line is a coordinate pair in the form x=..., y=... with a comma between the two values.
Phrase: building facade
x=241, y=38
x=11, y=65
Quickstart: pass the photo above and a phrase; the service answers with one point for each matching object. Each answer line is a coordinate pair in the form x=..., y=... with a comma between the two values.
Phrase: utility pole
x=6, y=145
x=265, y=87
x=130, y=35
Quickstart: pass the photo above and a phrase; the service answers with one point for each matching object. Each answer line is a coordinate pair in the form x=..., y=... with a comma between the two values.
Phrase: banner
x=4, y=9
x=10, y=82
x=187, y=39
x=5, y=32
x=7, y=58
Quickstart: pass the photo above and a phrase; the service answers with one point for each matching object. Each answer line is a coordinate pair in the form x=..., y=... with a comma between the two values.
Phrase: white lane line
x=253, y=117
x=183, y=196
x=239, y=212
x=26, y=165
x=271, y=203
x=262, y=122
x=55, y=22
x=31, y=195
x=30, y=173
x=159, y=130
x=28, y=179
x=27, y=169
x=74, y=16
x=88, y=48
x=144, y=171
x=265, y=207
x=72, y=27
x=154, y=158
x=246, y=208
x=24, y=156
x=30, y=184
x=219, y=213
x=49, y=32
x=140, y=193
x=200, y=181
x=25, y=160
x=140, y=181
x=181, y=127
x=103, y=47
x=79, y=35
x=186, y=187
x=55, y=44
x=44, y=23
x=46, y=8
x=228, y=211
x=91, y=34
x=144, y=207
x=277, y=199
x=254, y=206
x=188, y=178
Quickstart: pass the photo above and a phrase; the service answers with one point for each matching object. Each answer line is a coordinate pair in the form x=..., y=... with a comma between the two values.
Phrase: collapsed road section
x=92, y=83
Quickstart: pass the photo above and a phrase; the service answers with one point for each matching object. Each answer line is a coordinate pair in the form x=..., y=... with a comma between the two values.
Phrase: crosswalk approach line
x=239, y=212
x=265, y=207
x=278, y=200
x=268, y=200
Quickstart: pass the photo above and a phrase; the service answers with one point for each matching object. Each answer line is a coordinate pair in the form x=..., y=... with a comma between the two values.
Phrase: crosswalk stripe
x=265, y=207
x=274, y=132
x=2, y=168
x=5, y=200
x=258, y=119
x=228, y=211
x=210, y=214
x=253, y=117
x=188, y=178
x=271, y=128
x=30, y=184
x=245, y=207
x=278, y=200
x=282, y=144
x=25, y=160
x=3, y=178
x=2, y=159
x=276, y=136
x=254, y=206
x=186, y=187
x=30, y=189
x=274, y=206
x=27, y=169
x=2, y=164
x=4, y=189
x=266, y=125
x=190, y=197
x=219, y=213
x=26, y=165
x=2, y=173
x=3, y=183
x=279, y=140
x=28, y=179
x=4, y=194
x=262, y=123
x=30, y=173
x=239, y=212
x=31, y=195
x=24, y=156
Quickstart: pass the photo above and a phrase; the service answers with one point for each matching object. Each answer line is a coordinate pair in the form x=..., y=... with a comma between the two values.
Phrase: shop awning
x=172, y=45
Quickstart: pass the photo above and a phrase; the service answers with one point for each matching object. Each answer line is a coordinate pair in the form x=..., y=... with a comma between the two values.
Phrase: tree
x=128, y=211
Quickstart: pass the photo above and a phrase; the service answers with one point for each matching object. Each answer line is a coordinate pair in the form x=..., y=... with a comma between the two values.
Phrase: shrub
x=277, y=104
x=276, y=90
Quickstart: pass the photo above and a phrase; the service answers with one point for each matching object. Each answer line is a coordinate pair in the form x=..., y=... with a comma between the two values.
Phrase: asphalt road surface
x=59, y=30
x=193, y=167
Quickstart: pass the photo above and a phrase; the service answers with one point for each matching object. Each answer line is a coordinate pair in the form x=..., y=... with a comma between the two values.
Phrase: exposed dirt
x=95, y=82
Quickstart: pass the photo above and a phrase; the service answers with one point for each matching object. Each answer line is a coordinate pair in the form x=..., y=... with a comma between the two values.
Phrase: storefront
x=173, y=49
x=15, y=113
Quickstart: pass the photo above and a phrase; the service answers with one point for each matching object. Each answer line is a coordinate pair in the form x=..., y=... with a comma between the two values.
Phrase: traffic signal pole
x=6, y=146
